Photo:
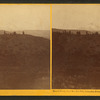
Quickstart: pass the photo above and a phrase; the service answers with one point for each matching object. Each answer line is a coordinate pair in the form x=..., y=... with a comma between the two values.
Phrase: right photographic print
x=76, y=46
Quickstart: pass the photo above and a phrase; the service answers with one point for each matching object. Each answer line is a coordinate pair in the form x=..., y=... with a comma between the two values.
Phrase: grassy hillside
x=76, y=60
x=24, y=61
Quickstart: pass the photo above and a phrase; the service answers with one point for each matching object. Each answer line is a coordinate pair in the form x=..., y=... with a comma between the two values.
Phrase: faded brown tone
x=24, y=47
x=24, y=17
x=78, y=16
x=76, y=59
x=76, y=46
x=24, y=62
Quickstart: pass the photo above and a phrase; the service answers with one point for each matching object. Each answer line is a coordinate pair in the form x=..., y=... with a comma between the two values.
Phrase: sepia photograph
x=24, y=46
x=76, y=46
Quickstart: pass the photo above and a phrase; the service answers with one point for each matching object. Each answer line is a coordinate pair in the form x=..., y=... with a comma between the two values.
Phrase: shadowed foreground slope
x=24, y=62
x=76, y=60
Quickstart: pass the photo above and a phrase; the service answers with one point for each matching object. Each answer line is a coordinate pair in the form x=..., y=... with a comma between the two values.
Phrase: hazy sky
x=24, y=17
x=76, y=16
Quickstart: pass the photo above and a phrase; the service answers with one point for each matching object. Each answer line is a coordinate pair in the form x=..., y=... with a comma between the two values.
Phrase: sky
x=74, y=16
x=24, y=17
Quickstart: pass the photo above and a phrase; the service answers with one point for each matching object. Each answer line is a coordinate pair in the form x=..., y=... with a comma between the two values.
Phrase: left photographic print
x=24, y=46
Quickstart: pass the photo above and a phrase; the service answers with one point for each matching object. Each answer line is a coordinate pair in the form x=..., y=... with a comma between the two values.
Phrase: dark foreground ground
x=76, y=61
x=24, y=62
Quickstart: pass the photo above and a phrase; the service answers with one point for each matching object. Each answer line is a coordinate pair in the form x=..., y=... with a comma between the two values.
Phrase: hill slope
x=76, y=60
x=24, y=59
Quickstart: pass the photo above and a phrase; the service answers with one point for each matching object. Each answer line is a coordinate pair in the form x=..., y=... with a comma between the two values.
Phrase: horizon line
x=75, y=29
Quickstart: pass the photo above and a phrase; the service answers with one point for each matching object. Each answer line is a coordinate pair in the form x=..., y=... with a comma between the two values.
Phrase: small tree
x=96, y=33
x=87, y=33
x=14, y=33
x=78, y=33
x=23, y=32
x=4, y=32
x=69, y=32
